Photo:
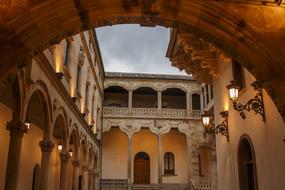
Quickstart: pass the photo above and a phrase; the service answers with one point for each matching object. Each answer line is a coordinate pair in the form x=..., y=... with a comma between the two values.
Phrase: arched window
x=246, y=165
x=169, y=163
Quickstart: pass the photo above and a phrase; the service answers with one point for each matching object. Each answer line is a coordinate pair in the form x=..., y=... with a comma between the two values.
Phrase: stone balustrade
x=115, y=112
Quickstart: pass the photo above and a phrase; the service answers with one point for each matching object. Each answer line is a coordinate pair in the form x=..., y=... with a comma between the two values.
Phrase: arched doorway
x=246, y=165
x=142, y=168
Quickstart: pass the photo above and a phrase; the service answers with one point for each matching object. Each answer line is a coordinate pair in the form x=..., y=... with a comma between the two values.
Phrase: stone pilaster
x=129, y=162
x=159, y=136
x=17, y=131
x=46, y=148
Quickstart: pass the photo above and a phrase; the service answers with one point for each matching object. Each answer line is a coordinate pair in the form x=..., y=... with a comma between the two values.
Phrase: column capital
x=84, y=168
x=91, y=172
x=64, y=157
x=76, y=163
x=17, y=128
x=46, y=145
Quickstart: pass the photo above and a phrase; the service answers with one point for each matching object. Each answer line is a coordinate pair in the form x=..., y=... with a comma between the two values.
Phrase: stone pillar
x=159, y=138
x=91, y=180
x=76, y=168
x=130, y=105
x=84, y=178
x=189, y=158
x=17, y=130
x=64, y=157
x=188, y=103
x=202, y=99
x=159, y=100
x=46, y=147
x=129, y=162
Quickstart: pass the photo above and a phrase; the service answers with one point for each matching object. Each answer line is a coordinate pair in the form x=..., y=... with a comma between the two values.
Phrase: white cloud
x=131, y=48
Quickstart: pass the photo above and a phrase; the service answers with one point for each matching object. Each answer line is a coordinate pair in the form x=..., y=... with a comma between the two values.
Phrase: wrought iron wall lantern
x=221, y=128
x=255, y=103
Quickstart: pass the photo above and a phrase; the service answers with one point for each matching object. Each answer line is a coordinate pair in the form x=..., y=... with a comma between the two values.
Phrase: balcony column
x=202, y=99
x=129, y=162
x=76, y=168
x=159, y=99
x=188, y=103
x=46, y=147
x=17, y=131
x=130, y=105
x=210, y=92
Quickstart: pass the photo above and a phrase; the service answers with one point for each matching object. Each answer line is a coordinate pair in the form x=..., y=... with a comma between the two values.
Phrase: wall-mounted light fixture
x=28, y=123
x=59, y=75
x=221, y=128
x=255, y=103
x=74, y=99
x=59, y=146
x=70, y=152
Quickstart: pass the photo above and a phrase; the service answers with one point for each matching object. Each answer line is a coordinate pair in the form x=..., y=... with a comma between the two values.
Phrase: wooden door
x=142, y=168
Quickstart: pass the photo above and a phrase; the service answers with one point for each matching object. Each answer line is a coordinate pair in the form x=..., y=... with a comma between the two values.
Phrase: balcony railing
x=150, y=113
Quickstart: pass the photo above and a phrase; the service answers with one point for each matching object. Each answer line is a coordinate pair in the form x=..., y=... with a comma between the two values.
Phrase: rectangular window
x=238, y=74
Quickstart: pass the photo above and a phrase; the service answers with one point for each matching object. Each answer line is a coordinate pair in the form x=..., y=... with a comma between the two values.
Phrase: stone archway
x=251, y=34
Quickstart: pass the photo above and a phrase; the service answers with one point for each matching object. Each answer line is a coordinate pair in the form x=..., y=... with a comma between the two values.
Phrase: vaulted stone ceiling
x=251, y=32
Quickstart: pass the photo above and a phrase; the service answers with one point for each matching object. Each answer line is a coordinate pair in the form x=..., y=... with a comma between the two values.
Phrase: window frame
x=168, y=156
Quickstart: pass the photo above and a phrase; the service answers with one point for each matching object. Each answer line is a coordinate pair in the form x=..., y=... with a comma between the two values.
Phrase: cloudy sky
x=132, y=48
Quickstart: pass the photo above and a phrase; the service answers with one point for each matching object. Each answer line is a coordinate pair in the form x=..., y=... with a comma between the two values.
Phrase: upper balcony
x=150, y=113
x=145, y=102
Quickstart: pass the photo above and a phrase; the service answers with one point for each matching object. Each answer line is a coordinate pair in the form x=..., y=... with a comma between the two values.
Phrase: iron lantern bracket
x=256, y=104
x=221, y=128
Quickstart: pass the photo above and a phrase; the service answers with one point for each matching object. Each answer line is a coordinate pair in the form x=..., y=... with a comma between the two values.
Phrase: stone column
x=46, y=147
x=17, y=130
x=64, y=157
x=202, y=99
x=129, y=162
x=91, y=180
x=130, y=105
x=210, y=92
x=159, y=138
x=159, y=100
x=76, y=168
x=84, y=178
x=188, y=103
x=189, y=158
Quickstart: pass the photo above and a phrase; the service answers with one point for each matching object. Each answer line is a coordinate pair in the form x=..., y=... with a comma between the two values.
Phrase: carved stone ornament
x=76, y=163
x=17, y=128
x=85, y=168
x=64, y=157
x=46, y=145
